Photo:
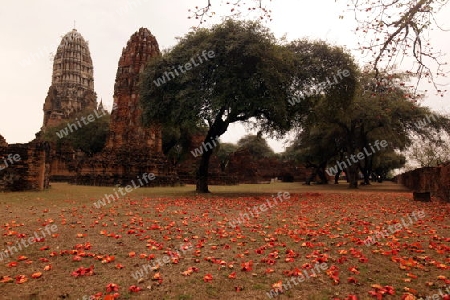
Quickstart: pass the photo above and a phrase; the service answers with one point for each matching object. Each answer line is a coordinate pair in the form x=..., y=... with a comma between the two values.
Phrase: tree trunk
x=366, y=177
x=216, y=130
x=321, y=173
x=367, y=169
x=202, y=173
x=352, y=174
x=311, y=177
x=336, y=177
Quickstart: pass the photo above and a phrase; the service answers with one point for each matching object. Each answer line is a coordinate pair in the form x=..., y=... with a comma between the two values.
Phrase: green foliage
x=177, y=140
x=247, y=78
x=256, y=145
x=380, y=110
x=89, y=138
x=318, y=72
x=430, y=152
x=224, y=151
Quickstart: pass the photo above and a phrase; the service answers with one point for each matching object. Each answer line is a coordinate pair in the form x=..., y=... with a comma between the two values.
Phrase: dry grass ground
x=317, y=224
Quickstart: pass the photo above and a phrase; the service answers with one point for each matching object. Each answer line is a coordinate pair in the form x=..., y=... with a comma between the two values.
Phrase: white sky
x=30, y=30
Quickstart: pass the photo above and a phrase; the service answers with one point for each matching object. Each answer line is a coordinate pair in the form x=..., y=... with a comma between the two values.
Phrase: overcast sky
x=31, y=30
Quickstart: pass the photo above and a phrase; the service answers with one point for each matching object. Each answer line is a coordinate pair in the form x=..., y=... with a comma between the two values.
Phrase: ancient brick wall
x=63, y=163
x=249, y=169
x=121, y=166
x=430, y=179
x=30, y=172
x=3, y=142
x=188, y=166
x=444, y=182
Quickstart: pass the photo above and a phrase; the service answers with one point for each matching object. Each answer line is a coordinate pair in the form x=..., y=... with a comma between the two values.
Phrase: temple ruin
x=132, y=149
x=72, y=88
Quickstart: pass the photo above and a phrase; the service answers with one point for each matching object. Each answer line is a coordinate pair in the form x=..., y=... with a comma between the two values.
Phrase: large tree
x=325, y=78
x=380, y=110
x=256, y=145
x=233, y=72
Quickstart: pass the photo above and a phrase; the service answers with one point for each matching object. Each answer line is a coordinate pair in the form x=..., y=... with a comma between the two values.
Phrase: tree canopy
x=90, y=138
x=256, y=145
x=380, y=110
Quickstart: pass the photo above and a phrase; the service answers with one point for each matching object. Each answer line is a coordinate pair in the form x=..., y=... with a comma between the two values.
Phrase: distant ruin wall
x=435, y=180
x=24, y=167
x=63, y=162
x=242, y=167
x=122, y=166
x=249, y=169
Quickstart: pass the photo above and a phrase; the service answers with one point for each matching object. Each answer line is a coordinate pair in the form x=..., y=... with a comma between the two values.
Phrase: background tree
x=90, y=138
x=224, y=152
x=386, y=162
x=314, y=147
x=247, y=80
x=430, y=152
x=324, y=83
x=256, y=145
x=380, y=110
x=177, y=140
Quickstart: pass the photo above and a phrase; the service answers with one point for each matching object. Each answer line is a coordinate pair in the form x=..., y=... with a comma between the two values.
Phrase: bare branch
x=237, y=8
x=390, y=41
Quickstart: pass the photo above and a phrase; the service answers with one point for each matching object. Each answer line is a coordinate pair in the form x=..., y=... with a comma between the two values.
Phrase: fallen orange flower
x=238, y=288
x=208, y=278
x=352, y=280
x=134, y=289
x=278, y=286
x=112, y=287
x=408, y=296
x=21, y=279
x=76, y=258
x=157, y=276
x=6, y=279
x=47, y=267
x=83, y=271
x=247, y=266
